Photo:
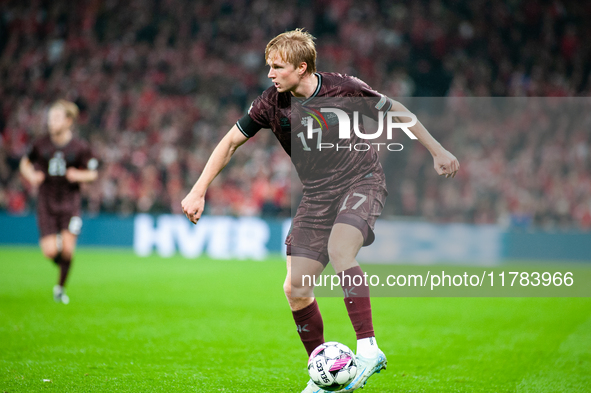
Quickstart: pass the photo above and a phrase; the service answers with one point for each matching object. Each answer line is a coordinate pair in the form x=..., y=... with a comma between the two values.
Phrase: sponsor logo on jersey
x=285, y=124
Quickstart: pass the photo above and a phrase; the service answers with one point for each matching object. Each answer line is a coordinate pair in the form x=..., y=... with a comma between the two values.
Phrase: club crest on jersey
x=329, y=118
x=314, y=115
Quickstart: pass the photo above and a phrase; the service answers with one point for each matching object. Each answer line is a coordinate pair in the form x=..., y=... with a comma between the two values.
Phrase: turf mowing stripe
x=570, y=370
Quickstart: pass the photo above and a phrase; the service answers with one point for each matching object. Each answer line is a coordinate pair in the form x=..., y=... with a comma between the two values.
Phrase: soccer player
x=57, y=164
x=342, y=198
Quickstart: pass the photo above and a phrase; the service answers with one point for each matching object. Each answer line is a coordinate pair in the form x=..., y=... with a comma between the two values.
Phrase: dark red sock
x=357, y=301
x=58, y=259
x=64, y=270
x=310, y=327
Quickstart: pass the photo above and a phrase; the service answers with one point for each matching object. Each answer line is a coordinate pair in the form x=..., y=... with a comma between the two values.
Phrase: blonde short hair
x=69, y=107
x=295, y=47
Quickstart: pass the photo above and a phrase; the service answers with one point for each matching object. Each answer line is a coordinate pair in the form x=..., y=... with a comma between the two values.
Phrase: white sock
x=367, y=347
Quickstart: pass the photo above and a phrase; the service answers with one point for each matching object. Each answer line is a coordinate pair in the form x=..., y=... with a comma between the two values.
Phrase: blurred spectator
x=160, y=81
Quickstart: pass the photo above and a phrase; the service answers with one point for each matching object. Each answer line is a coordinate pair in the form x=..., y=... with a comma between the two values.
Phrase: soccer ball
x=332, y=366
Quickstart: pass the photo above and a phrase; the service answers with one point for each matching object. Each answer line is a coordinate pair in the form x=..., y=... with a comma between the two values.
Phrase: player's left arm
x=75, y=175
x=444, y=162
x=87, y=172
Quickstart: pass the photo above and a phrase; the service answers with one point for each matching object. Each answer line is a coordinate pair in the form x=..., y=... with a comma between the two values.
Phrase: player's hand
x=446, y=164
x=37, y=178
x=193, y=206
x=72, y=175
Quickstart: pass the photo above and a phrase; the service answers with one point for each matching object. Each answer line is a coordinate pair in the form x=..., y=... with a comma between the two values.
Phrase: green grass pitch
x=178, y=325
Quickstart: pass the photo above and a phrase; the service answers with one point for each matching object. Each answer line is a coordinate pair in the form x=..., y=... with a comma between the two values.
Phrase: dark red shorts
x=53, y=223
x=359, y=206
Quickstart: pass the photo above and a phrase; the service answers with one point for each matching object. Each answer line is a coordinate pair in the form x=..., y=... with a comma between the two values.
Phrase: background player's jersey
x=324, y=170
x=56, y=193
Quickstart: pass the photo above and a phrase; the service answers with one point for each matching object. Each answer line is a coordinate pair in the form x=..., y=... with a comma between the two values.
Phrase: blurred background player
x=57, y=163
x=325, y=227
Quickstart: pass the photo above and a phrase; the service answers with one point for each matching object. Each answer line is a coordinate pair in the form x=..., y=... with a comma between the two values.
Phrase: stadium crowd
x=159, y=82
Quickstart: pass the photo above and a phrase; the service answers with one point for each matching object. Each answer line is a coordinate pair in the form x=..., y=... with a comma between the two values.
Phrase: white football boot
x=59, y=295
x=366, y=367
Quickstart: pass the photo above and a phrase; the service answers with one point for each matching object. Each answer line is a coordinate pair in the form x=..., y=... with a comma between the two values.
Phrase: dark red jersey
x=320, y=170
x=56, y=193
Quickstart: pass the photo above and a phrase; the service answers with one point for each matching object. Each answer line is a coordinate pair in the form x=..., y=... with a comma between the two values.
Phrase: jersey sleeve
x=257, y=117
x=382, y=103
x=364, y=89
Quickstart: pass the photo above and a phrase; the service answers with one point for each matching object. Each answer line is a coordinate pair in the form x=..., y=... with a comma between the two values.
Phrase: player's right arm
x=194, y=202
x=29, y=172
